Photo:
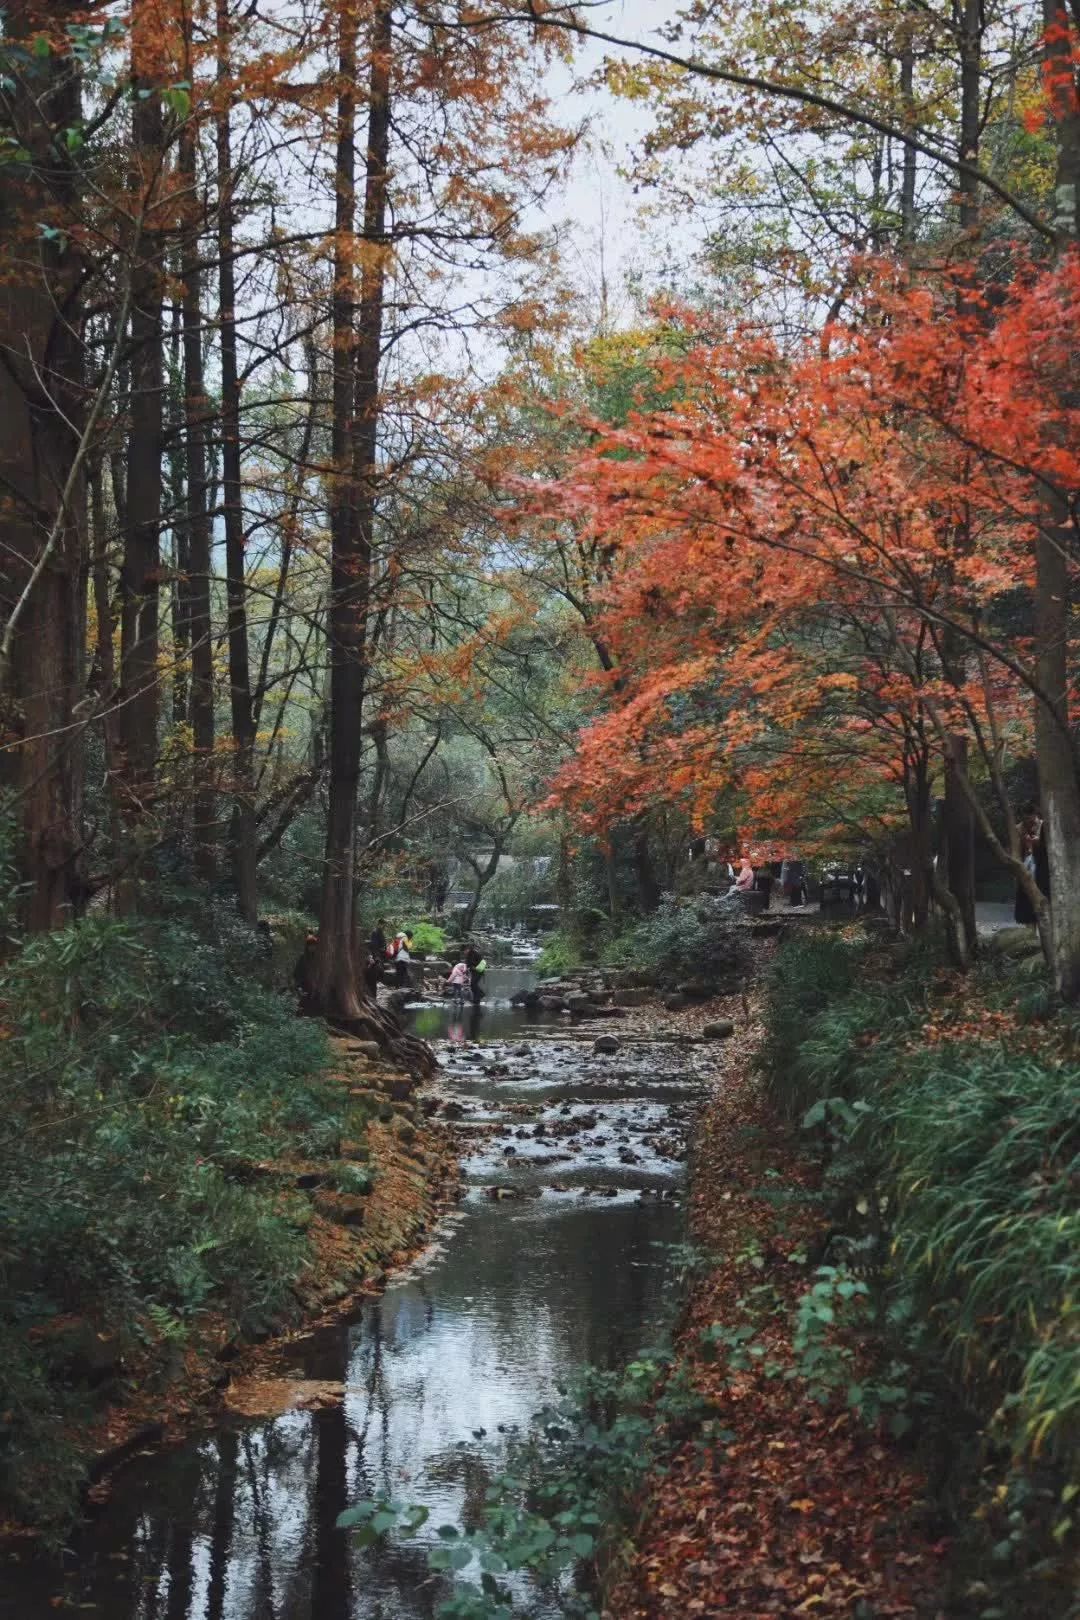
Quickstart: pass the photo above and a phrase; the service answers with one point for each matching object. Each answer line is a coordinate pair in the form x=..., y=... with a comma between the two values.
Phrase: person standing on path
x=1033, y=851
x=458, y=983
x=402, y=958
x=477, y=968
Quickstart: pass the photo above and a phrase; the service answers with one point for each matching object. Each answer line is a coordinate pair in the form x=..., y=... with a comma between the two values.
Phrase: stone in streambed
x=606, y=1045
x=718, y=1031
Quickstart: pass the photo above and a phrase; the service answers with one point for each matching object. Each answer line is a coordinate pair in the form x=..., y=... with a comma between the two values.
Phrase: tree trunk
x=563, y=881
x=483, y=875
x=648, y=886
x=41, y=407
x=611, y=878
x=908, y=220
x=1059, y=778
x=141, y=568
x=331, y=1585
x=352, y=502
x=242, y=833
x=197, y=517
x=179, y=563
x=223, y=1525
x=958, y=843
x=917, y=792
x=959, y=848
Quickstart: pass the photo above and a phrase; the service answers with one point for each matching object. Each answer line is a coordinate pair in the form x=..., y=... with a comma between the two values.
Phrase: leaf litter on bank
x=795, y=1508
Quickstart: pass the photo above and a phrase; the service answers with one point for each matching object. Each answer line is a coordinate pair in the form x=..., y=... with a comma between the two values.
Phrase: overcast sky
x=602, y=215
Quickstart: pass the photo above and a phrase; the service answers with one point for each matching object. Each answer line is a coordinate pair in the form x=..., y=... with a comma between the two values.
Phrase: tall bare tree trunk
x=648, y=884
x=958, y=841
x=908, y=220
x=352, y=511
x=1055, y=742
x=41, y=406
x=140, y=572
x=197, y=517
x=243, y=832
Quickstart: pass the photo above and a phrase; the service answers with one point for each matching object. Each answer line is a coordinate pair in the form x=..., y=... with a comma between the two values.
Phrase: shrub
x=429, y=939
x=560, y=954
x=148, y=1075
x=953, y=1166
x=681, y=942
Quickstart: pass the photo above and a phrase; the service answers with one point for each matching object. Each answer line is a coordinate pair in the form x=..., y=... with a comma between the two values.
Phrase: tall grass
x=971, y=1147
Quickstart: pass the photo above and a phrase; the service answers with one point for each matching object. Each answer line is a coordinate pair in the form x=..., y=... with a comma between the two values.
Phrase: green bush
x=953, y=1175
x=679, y=942
x=148, y=1076
x=561, y=953
x=429, y=939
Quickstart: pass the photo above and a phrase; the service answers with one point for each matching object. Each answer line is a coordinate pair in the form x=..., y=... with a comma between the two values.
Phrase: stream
x=441, y=1370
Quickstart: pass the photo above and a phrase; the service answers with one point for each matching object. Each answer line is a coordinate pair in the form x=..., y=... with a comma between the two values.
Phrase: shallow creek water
x=441, y=1371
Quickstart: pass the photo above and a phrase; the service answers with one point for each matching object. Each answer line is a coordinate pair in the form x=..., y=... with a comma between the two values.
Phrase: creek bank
x=420, y=1392
x=782, y=1504
x=366, y=1211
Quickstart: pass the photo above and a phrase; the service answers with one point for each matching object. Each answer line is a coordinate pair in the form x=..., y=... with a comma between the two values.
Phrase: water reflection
x=440, y=1372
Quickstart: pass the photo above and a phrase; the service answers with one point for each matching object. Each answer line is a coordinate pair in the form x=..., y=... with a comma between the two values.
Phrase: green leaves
x=369, y=1520
x=178, y=99
x=561, y=1498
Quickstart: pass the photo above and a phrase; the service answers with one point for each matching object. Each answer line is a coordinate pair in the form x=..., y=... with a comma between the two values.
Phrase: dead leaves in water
x=270, y=1397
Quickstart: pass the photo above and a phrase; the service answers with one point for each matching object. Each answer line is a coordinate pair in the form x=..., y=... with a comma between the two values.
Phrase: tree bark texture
x=197, y=523
x=242, y=833
x=1055, y=743
x=41, y=408
x=353, y=498
x=140, y=574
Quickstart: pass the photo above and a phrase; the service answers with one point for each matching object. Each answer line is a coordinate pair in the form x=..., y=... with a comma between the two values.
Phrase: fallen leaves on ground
x=805, y=1511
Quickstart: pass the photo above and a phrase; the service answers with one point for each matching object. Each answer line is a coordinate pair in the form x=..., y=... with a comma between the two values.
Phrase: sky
x=600, y=216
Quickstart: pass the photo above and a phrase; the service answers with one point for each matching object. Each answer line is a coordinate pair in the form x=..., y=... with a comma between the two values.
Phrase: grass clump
x=143, y=1077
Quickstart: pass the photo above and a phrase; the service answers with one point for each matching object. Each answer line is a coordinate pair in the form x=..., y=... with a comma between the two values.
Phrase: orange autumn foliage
x=819, y=553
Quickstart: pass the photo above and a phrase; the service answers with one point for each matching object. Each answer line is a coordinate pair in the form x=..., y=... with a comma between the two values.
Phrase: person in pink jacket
x=458, y=982
x=745, y=880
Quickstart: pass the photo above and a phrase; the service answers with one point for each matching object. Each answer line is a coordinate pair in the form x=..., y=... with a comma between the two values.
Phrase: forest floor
x=792, y=1507
x=356, y=1242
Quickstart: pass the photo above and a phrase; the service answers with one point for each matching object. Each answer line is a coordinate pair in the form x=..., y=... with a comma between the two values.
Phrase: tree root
x=377, y=1024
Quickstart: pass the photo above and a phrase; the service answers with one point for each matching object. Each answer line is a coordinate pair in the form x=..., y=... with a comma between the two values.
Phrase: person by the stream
x=1035, y=857
x=745, y=880
x=793, y=881
x=402, y=957
x=477, y=968
x=376, y=956
x=458, y=982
